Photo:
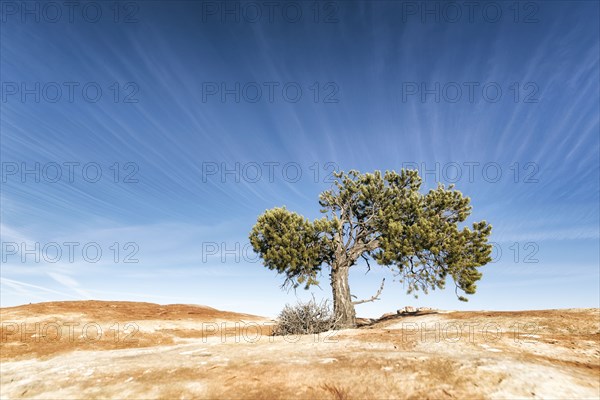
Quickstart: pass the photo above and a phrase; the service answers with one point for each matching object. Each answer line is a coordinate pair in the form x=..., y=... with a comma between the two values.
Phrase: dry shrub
x=305, y=318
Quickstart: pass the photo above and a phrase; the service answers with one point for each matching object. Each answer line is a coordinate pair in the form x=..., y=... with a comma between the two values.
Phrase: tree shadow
x=370, y=322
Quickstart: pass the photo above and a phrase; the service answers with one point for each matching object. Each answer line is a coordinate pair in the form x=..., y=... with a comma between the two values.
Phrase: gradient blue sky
x=366, y=56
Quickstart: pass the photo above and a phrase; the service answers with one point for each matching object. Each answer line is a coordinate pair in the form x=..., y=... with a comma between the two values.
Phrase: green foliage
x=292, y=245
x=381, y=217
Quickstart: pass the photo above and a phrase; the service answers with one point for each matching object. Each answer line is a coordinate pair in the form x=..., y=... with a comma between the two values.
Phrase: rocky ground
x=92, y=349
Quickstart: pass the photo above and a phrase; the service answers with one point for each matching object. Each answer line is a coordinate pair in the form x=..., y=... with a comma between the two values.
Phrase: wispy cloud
x=171, y=131
x=70, y=283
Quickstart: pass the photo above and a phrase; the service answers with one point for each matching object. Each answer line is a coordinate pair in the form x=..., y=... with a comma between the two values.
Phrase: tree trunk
x=342, y=301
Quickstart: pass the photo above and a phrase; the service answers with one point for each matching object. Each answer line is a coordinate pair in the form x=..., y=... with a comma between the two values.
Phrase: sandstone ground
x=93, y=349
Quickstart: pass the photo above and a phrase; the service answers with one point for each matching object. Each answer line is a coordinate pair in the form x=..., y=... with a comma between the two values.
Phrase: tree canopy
x=381, y=217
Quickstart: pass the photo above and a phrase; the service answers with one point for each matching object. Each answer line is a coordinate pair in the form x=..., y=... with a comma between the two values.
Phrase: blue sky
x=211, y=115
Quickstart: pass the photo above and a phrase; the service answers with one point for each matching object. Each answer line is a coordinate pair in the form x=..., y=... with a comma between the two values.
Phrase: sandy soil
x=92, y=349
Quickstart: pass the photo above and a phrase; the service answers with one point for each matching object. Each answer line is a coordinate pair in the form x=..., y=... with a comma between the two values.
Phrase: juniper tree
x=381, y=217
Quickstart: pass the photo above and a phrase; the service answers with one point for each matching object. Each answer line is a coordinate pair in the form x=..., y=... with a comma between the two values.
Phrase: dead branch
x=376, y=297
x=367, y=260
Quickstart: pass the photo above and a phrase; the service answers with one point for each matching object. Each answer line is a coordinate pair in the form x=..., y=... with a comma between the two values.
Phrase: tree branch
x=368, y=265
x=376, y=297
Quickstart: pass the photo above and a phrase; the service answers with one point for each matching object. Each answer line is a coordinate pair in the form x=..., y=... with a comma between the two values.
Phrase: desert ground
x=95, y=349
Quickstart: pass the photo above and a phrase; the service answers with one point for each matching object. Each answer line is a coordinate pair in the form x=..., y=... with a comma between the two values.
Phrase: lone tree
x=382, y=217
